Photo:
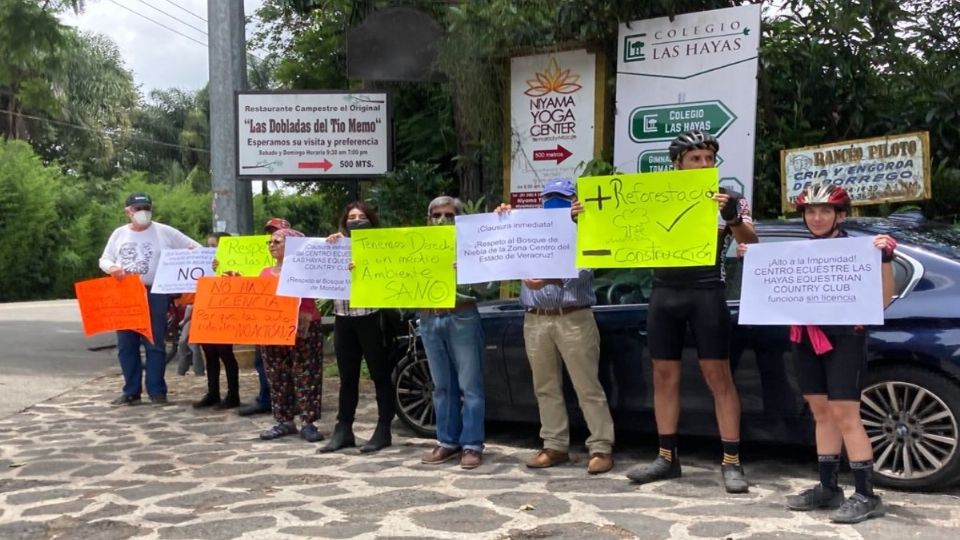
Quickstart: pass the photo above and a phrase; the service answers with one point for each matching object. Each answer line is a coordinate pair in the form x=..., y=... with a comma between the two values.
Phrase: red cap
x=276, y=223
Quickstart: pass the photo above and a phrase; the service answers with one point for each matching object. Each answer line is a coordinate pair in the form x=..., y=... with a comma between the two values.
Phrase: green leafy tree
x=28, y=222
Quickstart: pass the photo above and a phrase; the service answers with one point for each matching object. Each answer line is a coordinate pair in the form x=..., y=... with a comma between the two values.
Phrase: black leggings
x=356, y=338
x=215, y=354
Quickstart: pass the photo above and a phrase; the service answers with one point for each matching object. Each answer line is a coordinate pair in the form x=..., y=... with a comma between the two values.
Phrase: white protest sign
x=315, y=268
x=179, y=269
x=533, y=243
x=312, y=134
x=823, y=282
x=695, y=71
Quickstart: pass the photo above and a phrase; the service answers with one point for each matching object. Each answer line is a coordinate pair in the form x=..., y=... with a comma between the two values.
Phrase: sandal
x=280, y=430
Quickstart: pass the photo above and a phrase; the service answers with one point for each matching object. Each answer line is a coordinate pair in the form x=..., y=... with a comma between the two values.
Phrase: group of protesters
x=560, y=334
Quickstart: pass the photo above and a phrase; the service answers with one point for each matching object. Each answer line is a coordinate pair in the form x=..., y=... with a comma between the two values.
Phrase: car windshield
x=940, y=238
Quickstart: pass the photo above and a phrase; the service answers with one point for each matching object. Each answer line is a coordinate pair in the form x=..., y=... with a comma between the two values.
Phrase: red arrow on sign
x=325, y=165
x=559, y=154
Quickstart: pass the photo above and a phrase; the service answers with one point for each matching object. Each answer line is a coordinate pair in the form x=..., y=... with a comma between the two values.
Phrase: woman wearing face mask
x=295, y=373
x=357, y=334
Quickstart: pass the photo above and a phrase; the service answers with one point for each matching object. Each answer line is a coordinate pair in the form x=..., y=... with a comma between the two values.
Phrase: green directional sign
x=658, y=160
x=665, y=122
x=654, y=161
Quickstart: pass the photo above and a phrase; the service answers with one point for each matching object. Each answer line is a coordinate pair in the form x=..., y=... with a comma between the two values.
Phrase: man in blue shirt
x=559, y=331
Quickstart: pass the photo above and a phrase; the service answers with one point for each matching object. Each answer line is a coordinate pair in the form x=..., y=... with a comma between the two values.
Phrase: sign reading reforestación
x=313, y=135
x=873, y=171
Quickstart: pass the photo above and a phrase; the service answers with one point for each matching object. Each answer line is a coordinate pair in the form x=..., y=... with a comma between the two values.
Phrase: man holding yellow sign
x=685, y=243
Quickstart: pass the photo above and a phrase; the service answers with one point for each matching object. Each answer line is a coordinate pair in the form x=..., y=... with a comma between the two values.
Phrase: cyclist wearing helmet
x=830, y=362
x=695, y=296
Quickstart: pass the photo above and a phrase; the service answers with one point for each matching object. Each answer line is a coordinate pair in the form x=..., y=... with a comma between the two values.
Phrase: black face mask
x=355, y=224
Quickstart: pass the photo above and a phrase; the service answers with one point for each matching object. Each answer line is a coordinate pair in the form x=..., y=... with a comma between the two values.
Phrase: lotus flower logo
x=552, y=79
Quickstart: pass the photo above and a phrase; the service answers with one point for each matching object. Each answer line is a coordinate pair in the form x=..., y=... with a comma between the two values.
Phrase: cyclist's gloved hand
x=731, y=211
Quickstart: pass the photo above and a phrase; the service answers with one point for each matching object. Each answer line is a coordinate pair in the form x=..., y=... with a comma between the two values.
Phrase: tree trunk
x=468, y=168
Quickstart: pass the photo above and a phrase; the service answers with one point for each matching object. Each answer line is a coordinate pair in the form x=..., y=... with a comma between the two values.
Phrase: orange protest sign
x=243, y=310
x=108, y=304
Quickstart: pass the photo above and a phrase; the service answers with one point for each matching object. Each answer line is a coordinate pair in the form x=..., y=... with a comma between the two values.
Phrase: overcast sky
x=157, y=56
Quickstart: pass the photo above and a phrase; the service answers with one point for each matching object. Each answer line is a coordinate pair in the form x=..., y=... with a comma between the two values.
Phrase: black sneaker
x=206, y=401
x=659, y=469
x=814, y=498
x=159, y=400
x=733, y=479
x=228, y=402
x=254, y=408
x=126, y=400
x=858, y=508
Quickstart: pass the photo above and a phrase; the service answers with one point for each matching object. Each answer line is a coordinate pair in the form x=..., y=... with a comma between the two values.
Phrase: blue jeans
x=263, y=398
x=128, y=350
x=454, y=346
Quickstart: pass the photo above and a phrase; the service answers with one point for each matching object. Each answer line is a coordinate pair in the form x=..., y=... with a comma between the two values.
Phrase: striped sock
x=731, y=452
x=668, y=447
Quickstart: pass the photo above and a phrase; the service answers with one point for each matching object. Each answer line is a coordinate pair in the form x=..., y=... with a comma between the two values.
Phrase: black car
x=911, y=401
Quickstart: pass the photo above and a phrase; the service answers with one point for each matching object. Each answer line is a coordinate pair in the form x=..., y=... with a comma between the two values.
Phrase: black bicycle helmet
x=690, y=140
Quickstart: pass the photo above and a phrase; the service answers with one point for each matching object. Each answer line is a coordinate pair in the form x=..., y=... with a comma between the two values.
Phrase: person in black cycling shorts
x=695, y=296
x=830, y=363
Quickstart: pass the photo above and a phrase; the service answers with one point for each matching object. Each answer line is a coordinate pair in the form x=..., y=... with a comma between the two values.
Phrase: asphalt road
x=43, y=353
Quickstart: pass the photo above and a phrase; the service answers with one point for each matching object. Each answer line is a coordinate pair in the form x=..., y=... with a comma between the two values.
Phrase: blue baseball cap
x=559, y=186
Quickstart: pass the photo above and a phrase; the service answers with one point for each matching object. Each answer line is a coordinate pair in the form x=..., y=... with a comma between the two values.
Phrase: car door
x=621, y=314
x=760, y=356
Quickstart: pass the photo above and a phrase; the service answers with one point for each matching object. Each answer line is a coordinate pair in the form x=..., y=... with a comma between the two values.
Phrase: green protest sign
x=245, y=255
x=408, y=267
x=648, y=220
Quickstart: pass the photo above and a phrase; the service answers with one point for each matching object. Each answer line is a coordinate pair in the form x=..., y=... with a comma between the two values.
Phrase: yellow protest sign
x=245, y=255
x=408, y=267
x=648, y=220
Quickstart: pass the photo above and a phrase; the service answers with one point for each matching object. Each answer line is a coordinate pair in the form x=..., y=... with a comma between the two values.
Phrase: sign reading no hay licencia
x=313, y=135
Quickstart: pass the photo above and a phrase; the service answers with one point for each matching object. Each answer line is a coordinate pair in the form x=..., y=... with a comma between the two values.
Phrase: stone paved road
x=75, y=467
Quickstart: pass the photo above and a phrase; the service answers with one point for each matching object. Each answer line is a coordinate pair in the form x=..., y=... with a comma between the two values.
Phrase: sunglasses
x=139, y=208
x=274, y=242
x=438, y=215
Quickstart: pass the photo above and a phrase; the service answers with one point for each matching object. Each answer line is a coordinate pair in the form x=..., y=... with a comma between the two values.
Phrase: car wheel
x=911, y=417
x=413, y=392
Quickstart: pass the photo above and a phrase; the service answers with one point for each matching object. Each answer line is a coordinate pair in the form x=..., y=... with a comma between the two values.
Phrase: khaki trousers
x=574, y=339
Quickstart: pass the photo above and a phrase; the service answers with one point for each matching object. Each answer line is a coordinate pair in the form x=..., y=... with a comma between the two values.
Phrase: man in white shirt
x=135, y=248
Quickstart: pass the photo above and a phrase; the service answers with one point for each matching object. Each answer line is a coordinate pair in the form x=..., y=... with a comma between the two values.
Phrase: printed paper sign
x=179, y=269
x=108, y=304
x=694, y=71
x=404, y=268
x=245, y=255
x=648, y=220
x=313, y=134
x=878, y=170
x=552, y=115
x=243, y=311
x=520, y=244
x=821, y=282
x=314, y=268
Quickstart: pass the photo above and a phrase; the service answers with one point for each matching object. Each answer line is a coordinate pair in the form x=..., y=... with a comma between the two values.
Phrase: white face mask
x=142, y=217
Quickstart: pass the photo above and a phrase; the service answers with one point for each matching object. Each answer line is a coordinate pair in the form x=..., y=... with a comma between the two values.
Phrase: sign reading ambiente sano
x=313, y=134
x=877, y=170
